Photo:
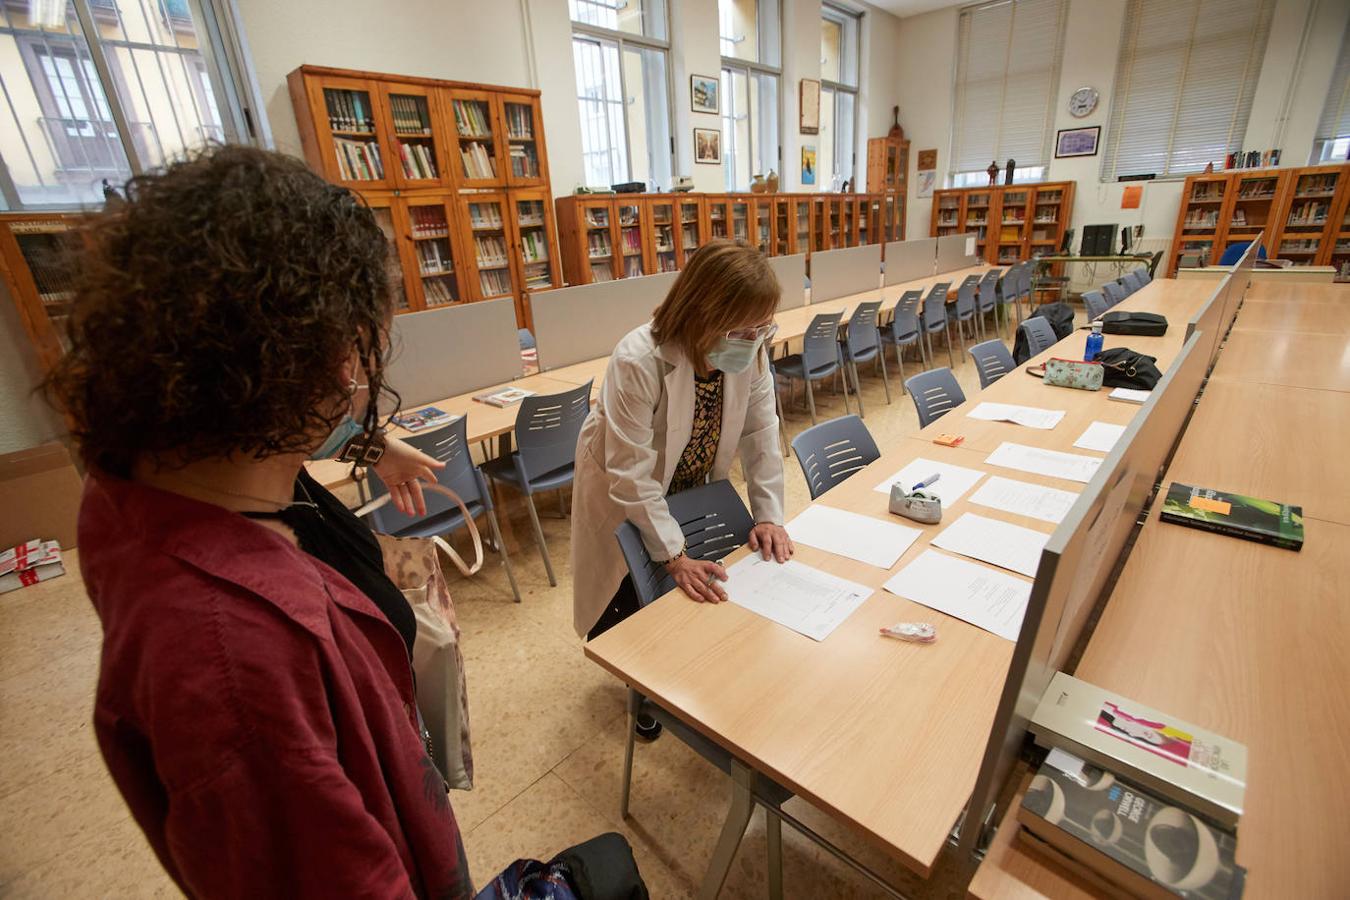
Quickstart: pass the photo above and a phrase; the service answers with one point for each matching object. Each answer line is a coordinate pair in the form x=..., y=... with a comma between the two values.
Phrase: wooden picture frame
x=708, y=146
x=1071, y=142
x=809, y=106
x=705, y=94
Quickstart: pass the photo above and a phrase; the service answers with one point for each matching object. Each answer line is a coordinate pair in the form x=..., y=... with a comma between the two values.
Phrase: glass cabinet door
x=598, y=221
x=740, y=221
x=1305, y=230
x=520, y=120
x=663, y=234
x=430, y=228
x=764, y=224
x=359, y=154
x=802, y=224
x=691, y=228
x=409, y=112
x=783, y=228
x=533, y=234
x=492, y=260
x=630, y=239
x=476, y=134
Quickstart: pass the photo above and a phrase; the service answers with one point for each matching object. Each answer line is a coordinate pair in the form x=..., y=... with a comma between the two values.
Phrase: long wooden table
x=1241, y=638
x=886, y=737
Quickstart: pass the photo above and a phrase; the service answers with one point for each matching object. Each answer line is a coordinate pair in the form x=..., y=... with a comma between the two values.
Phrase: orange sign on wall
x=1130, y=197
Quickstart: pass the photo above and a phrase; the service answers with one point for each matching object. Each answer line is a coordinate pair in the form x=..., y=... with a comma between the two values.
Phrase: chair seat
x=861, y=355
x=504, y=469
x=792, y=367
x=889, y=336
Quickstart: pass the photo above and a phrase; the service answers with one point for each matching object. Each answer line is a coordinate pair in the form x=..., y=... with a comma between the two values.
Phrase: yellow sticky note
x=1222, y=507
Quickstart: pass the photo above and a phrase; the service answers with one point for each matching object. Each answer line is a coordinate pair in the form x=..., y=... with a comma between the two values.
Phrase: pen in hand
x=931, y=479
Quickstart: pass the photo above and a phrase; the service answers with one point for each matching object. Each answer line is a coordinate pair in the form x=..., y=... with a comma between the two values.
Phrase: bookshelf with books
x=717, y=210
x=801, y=224
x=634, y=231
x=478, y=138
x=387, y=217
x=887, y=164
x=892, y=223
x=535, y=239
x=762, y=233
x=1306, y=230
x=1338, y=251
x=662, y=233
x=527, y=161
x=820, y=224
x=410, y=118
x=782, y=225
x=589, y=238
x=432, y=235
x=693, y=231
x=740, y=217
x=489, y=271
x=1204, y=200
x=1011, y=223
x=36, y=270
x=348, y=129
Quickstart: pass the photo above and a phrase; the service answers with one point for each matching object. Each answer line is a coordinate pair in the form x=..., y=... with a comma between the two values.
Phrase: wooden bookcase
x=887, y=164
x=456, y=173
x=693, y=231
x=35, y=267
x=663, y=233
x=1307, y=227
x=1011, y=223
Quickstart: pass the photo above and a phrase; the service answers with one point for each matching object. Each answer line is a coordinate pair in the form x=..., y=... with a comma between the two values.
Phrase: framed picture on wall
x=808, y=164
x=810, y=106
x=708, y=146
x=1077, y=141
x=703, y=94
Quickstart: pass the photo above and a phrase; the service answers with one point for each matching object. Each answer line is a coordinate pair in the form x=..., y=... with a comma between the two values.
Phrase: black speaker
x=1098, y=240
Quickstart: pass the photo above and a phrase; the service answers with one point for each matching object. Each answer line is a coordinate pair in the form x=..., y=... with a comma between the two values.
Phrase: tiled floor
x=548, y=730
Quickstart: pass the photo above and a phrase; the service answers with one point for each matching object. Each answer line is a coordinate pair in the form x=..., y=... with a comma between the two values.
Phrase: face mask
x=733, y=356
x=344, y=432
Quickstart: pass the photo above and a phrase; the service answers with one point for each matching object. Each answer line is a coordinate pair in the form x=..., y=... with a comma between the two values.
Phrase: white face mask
x=733, y=356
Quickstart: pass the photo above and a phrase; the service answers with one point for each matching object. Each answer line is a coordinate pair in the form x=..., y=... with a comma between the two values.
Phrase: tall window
x=1333, y=130
x=94, y=90
x=619, y=50
x=839, y=38
x=1184, y=84
x=750, y=38
x=1007, y=76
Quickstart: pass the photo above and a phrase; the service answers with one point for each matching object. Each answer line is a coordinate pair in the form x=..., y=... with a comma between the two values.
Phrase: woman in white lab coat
x=682, y=396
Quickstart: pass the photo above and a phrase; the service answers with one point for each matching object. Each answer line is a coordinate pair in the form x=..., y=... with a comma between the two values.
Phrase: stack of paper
x=1025, y=499
x=1100, y=436
x=954, y=480
x=1030, y=416
x=1073, y=466
x=994, y=601
x=1130, y=395
x=998, y=543
x=794, y=595
x=872, y=541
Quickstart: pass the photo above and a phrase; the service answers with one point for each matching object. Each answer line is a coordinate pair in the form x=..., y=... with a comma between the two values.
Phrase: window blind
x=1335, y=120
x=1184, y=84
x=1007, y=76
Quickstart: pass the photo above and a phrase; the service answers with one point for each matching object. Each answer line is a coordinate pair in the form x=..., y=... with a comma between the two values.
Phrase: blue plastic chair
x=964, y=310
x=992, y=361
x=1008, y=290
x=935, y=393
x=1095, y=304
x=450, y=445
x=903, y=329
x=1131, y=281
x=1233, y=252
x=862, y=343
x=832, y=451
x=1145, y=275
x=820, y=357
x=545, y=456
x=1114, y=292
x=1040, y=335
x=714, y=522
x=934, y=318
x=986, y=298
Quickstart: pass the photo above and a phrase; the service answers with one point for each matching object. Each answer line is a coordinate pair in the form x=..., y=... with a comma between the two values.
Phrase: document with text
x=1070, y=466
x=994, y=541
x=793, y=594
x=984, y=597
x=1025, y=499
x=1028, y=416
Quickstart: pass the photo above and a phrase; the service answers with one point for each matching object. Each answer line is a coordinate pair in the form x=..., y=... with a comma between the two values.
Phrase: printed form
x=994, y=601
x=794, y=595
x=1028, y=416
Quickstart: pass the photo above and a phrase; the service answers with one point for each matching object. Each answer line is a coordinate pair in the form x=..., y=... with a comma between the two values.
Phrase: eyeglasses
x=762, y=333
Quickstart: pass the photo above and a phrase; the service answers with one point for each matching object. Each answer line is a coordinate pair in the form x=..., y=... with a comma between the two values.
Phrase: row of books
x=489, y=249
x=602, y=271
x=1257, y=189
x=478, y=163
x=1208, y=190
x=534, y=246
x=410, y=114
x=440, y=291
x=530, y=212
x=1201, y=218
x=358, y=160
x=494, y=282
x=519, y=122
x=1312, y=185
x=597, y=244
x=1299, y=246
x=433, y=258
x=348, y=110
x=538, y=276
x=428, y=221
x=524, y=161
x=419, y=161
x=485, y=215
x=471, y=118
x=1309, y=213
x=632, y=241
x=597, y=218
x=632, y=267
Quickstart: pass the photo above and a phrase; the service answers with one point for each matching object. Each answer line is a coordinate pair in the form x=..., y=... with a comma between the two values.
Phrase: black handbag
x=1146, y=324
x=1123, y=367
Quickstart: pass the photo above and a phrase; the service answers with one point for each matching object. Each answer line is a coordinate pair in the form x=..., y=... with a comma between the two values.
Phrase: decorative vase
x=757, y=186
x=772, y=182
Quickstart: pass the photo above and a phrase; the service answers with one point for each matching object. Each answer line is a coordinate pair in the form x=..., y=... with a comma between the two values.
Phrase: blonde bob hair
x=725, y=285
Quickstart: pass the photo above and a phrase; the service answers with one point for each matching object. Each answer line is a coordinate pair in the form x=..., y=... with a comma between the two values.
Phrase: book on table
x=421, y=419
x=1239, y=515
x=1125, y=840
x=1159, y=752
x=504, y=398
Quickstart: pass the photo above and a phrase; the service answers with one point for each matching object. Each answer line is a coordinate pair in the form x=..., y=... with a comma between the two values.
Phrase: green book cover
x=1235, y=514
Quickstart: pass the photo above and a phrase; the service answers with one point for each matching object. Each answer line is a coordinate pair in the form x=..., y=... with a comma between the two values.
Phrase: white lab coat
x=630, y=445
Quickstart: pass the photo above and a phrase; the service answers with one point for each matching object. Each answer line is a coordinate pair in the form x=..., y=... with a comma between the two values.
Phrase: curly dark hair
x=214, y=308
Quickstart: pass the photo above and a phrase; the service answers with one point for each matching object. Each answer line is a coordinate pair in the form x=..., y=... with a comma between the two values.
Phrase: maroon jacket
x=256, y=709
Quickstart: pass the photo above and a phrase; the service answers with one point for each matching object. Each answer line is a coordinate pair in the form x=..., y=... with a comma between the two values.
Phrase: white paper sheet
x=994, y=541
x=1100, y=436
x=994, y=601
x=1130, y=395
x=1029, y=416
x=970, y=246
x=1071, y=466
x=955, y=480
x=794, y=595
x=1025, y=499
x=872, y=541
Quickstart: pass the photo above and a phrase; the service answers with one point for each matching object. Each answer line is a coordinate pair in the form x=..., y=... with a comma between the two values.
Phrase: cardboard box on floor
x=40, y=495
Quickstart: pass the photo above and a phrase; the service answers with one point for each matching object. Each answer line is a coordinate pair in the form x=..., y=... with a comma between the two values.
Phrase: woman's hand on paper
x=772, y=542
x=698, y=579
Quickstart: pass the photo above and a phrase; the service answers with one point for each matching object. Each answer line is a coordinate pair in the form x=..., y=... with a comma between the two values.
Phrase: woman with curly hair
x=255, y=699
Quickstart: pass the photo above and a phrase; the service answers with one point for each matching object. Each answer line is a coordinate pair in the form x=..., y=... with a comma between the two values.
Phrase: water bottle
x=1094, y=342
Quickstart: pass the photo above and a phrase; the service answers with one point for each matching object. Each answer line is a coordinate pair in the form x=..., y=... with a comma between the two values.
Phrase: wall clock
x=1083, y=102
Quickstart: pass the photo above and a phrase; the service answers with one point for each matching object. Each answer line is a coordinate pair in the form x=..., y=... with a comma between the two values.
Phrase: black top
x=329, y=532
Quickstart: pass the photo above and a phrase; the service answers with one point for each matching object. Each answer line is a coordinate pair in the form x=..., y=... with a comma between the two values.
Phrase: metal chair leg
x=773, y=833
x=900, y=361
x=738, y=817
x=885, y=378
x=841, y=373
x=810, y=399
x=857, y=386
x=539, y=536
x=951, y=360
x=634, y=701
x=501, y=548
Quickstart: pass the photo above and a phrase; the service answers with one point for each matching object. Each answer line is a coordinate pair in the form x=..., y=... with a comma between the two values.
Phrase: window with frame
x=620, y=54
x=749, y=31
x=1333, y=129
x=839, y=51
x=1185, y=81
x=96, y=90
x=1007, y=78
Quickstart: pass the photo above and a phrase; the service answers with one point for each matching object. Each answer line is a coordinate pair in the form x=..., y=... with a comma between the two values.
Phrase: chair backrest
x=714, y=522
x=905, y=316
x=1153, y=264
x=547, y=428
x=1132, y=280
x=1126, y=285
x=1114, y=293
x=450, y=445
x=820, y=344
x=935, y=393
x=1040, y=334
x=1024, y=279
x=935, y=307
x=832, y=451
x=861, y=333
x=1145, y=275
x=987, y=296
x=965, y=299
x=1095, y=304
x=992, y=361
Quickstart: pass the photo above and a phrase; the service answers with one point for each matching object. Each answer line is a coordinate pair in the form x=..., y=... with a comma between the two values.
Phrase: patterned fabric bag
x=413, y=564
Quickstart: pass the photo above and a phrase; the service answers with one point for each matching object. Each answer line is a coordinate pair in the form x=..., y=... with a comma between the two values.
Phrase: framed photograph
x=708, y=146
x=924, y=181
x=808, y=164
x=810, y=106
x=927, y=159
x=703, y=94
x=1077, y=141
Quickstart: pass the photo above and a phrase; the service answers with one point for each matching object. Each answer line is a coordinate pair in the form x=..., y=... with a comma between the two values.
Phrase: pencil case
x=1074, y=373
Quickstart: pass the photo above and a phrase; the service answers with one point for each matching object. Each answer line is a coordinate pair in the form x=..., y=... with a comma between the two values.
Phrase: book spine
x=1233, y=531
